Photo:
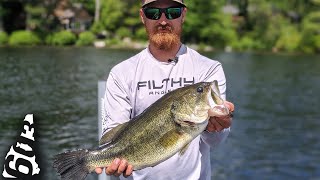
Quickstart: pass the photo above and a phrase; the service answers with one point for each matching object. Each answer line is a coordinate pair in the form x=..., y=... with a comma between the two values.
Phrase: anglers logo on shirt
x=165, y=85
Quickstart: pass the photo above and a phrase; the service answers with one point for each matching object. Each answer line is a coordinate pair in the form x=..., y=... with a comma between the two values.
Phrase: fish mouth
x=194, y=124
x=216, y=103
x=190, y=123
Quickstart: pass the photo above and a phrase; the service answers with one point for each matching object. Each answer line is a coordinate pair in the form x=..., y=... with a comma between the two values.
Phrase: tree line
x=263, y=25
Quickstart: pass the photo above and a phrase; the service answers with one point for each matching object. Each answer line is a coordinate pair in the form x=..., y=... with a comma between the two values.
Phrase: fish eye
x=200, y=89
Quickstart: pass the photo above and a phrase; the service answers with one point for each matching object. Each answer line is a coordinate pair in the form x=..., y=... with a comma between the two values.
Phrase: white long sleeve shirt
x=137, y=82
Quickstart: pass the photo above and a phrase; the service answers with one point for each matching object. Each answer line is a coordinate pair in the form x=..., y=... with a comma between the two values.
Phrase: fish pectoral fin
x=170, y=138
x=184, y=149
x=110, y=135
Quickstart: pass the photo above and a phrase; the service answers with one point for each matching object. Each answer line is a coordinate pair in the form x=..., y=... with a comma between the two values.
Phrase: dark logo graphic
x=165, y=85
x=20, y=161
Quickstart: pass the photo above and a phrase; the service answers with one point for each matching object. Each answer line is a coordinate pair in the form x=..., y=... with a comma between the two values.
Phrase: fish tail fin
x=72, y=165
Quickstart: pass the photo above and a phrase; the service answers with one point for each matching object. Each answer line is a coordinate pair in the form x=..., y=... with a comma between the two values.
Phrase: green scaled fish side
x=146, y=140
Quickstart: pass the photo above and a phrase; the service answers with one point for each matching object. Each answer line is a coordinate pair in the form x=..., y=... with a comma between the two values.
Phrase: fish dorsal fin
x=110, y=135
x=184, y=149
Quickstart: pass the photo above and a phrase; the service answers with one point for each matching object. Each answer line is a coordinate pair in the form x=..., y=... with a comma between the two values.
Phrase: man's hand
x=217, y=124
x=117, y=167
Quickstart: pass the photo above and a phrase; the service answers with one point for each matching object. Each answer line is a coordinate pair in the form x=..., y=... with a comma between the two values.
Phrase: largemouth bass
x=163, y=129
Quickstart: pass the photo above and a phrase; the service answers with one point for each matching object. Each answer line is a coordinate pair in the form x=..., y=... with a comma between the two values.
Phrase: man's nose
x=163, y=19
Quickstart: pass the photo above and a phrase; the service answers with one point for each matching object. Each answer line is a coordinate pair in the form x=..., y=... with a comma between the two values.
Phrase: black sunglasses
x=155, y=13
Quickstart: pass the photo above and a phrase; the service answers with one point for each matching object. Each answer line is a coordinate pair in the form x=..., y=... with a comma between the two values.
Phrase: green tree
x=34, y=17
x=289, y=39
x=259, y=25
x=207, y=23
x=88, y=5
x=132, y=21
x=311, y=33
x=111, y=16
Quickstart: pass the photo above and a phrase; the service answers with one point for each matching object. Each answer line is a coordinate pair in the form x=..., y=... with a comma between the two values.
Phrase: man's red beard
x=164, y=40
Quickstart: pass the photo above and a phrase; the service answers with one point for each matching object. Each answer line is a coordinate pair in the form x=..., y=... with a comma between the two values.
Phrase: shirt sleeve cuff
x=213, y=139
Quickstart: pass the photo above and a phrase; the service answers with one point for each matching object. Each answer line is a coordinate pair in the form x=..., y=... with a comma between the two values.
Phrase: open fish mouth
x=217, y=106
x=190, y=123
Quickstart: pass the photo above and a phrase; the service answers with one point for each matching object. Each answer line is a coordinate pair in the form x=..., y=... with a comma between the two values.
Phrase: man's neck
x=164, y=55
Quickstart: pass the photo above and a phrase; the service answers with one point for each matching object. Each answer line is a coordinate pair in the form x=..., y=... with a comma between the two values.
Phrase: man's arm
x=117, y=110
x=218, y=127
x=117, y=106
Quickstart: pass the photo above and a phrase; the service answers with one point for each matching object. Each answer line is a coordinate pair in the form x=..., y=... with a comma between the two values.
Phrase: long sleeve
x=116, y=103
x=216, y=72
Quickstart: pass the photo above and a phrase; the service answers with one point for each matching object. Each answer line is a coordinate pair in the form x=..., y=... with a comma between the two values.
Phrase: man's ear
x=184, y=12
x=141, y=16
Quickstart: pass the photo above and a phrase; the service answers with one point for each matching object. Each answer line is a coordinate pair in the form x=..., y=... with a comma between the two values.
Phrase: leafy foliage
x=286, y=25
x=289, y=39
x=141, y=34
x=246, y=43
x=39, y=16
x=34, y=19
x=61, y=38
x=3, y=38
x=85, y=38
x=311, y=32
x=123, y=32
x=23, y=38
x=112, y=14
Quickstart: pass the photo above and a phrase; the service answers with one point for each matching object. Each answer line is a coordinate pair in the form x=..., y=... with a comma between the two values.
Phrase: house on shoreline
x=69, y=16
x=73, y=17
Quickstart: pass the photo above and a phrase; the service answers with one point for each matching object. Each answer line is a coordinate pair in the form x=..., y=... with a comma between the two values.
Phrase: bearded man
x=166, y=64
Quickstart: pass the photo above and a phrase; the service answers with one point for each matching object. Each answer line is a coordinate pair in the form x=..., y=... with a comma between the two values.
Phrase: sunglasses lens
x=173, y=13
x=152, y=13
x=155, y=13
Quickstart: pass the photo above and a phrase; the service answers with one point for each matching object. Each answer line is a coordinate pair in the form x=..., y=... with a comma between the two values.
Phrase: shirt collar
x=182, y=50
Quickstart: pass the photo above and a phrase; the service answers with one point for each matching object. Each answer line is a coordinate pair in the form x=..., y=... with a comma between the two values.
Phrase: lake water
x=275, y=132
